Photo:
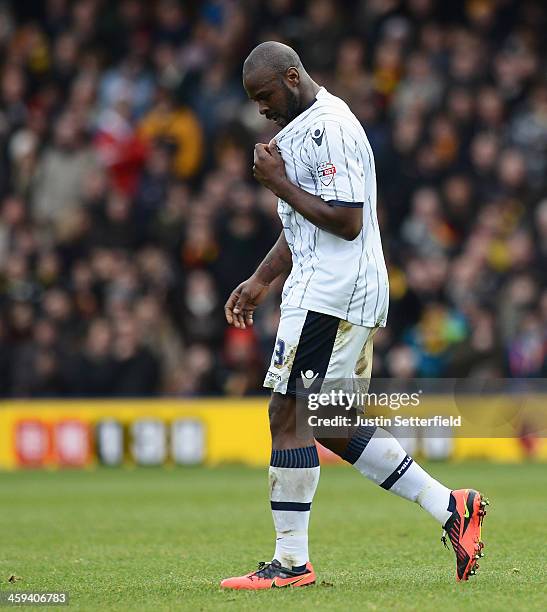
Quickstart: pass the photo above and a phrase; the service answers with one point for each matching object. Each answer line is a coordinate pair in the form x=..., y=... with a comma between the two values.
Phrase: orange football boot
x=270, y=576
x=464, y=530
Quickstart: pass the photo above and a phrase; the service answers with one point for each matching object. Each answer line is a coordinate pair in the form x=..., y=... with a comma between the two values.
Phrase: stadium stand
x=128, y=211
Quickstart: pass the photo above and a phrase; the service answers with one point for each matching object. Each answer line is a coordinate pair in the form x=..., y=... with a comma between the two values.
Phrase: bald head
x=272, y=56
x=273, y=76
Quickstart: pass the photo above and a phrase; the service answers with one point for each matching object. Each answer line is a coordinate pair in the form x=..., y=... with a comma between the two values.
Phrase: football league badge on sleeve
x=326, y=172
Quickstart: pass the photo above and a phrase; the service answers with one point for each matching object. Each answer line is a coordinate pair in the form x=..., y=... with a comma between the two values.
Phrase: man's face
x=276, y=100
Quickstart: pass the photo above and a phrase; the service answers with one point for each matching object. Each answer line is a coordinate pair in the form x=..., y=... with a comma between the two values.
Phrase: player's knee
x=281, y=414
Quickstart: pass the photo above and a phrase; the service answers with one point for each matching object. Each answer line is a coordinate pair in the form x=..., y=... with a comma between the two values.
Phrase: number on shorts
x=279, y=353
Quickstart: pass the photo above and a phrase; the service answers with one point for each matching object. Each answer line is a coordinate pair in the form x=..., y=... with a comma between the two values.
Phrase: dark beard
x=293, y=107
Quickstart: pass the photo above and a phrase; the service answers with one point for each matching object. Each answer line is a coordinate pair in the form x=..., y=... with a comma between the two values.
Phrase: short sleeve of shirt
x=335, y=160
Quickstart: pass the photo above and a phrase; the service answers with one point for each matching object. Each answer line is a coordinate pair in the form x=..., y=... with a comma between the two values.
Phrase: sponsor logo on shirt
x=318, y=137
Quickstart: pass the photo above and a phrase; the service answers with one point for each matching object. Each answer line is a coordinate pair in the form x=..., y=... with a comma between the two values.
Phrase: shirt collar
x=322, y=91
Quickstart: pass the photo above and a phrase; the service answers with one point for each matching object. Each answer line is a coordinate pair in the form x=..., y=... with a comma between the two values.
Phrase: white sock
x=379, y=456
x=294, y=474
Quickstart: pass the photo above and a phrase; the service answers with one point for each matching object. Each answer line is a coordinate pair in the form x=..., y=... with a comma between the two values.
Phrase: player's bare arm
x=241, y=304
x=269, y=169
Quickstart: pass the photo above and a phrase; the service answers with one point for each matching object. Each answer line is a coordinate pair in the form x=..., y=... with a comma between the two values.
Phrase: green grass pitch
x=155, y=539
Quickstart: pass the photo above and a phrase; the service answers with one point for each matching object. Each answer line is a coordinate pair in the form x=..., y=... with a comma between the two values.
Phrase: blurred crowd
x=128, y=211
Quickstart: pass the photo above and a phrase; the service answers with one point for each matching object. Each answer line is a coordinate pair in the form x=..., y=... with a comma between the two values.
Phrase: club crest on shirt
x=326, y=172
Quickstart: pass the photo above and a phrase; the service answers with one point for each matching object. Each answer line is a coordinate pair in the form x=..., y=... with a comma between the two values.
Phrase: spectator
x=61, y=171
x=178, y=126
x=136, y=368
x=91, y=372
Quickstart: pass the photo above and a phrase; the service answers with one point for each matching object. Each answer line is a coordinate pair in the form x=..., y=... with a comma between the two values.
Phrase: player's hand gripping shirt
x=326, y=153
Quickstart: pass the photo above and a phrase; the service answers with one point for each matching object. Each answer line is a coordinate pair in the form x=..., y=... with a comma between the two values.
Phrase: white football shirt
x=326, y=153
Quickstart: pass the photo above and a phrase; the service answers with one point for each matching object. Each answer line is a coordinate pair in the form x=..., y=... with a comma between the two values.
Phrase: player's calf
x=282, y=416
